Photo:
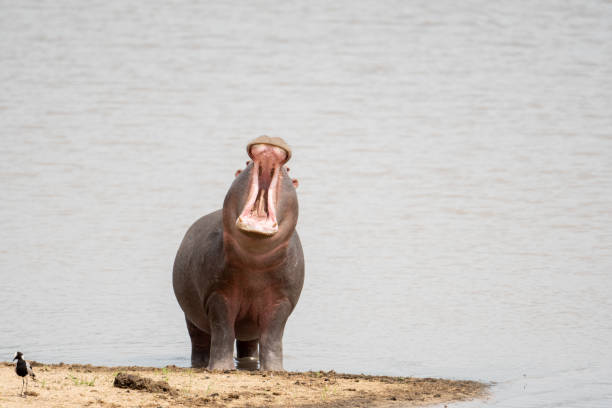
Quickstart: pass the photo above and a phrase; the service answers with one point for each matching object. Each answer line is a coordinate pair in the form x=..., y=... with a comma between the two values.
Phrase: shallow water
x=455, y=167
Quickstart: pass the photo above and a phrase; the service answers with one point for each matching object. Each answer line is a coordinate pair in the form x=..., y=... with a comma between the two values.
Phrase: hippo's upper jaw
x=259, y=213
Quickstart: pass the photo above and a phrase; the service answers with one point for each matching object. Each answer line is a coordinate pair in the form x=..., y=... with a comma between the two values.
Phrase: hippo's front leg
x=271, y=339
x=221, y=332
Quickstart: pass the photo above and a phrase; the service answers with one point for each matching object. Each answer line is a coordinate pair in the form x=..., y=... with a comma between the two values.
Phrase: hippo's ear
x=295, y=182
x=237, y=173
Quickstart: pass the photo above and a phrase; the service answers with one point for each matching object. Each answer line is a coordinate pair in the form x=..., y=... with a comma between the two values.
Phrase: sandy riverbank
x=72, y=385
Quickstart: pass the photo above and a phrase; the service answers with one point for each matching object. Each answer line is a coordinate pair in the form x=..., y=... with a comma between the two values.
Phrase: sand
x=73, y=385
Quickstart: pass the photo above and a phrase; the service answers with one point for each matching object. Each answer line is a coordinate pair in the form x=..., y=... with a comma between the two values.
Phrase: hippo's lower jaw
x=259, y=213
x=263, y=227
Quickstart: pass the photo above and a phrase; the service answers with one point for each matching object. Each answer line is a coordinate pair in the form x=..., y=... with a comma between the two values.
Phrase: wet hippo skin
x=239, y=271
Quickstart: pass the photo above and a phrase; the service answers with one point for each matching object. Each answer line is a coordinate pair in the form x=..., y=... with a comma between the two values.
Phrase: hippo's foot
x=271, y=339
x=200, y=345
x=224, y=364
x=222, y=334
x=272, y=362
x=199, y=357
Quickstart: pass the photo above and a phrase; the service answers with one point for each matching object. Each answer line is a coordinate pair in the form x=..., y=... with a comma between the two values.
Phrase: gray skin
x=237, y=285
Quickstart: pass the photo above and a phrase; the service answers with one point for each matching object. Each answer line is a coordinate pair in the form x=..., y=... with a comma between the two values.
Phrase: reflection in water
x=454, y=165
x=247, y=363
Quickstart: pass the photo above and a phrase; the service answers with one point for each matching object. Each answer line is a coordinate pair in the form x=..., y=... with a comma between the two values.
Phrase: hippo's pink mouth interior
x=259, y=212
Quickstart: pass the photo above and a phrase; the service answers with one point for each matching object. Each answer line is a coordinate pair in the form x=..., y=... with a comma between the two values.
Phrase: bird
x=23, y=369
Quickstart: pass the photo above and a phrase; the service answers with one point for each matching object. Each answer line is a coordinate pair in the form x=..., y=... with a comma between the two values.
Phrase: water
x=455, y=167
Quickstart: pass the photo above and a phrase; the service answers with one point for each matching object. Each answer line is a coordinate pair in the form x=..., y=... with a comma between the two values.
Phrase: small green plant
x=83, y=381
x=208, y=389
x=187, y=388
x=190, y=374
x=327, y=392
x=165, y=373
x=324, y=392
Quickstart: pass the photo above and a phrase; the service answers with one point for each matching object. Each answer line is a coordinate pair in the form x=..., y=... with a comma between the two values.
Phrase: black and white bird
x=23, y=369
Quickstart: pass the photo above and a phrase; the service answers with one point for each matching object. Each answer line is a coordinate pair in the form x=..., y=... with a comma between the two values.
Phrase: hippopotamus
x=239, y=271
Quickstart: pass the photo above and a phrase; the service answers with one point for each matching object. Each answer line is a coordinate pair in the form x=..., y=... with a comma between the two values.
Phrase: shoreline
x=78, y=385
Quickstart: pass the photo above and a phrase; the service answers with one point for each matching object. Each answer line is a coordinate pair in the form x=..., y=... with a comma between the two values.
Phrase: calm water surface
x=455, y=167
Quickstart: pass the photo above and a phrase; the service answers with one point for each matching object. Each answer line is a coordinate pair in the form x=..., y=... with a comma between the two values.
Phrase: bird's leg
x=26, y=391
x=22, y=382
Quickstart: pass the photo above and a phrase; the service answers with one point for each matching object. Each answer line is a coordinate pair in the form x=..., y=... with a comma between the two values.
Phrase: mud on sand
x=74, y=385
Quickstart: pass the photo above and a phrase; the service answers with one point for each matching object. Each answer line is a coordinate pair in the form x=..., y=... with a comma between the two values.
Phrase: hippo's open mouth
x=259, y=212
